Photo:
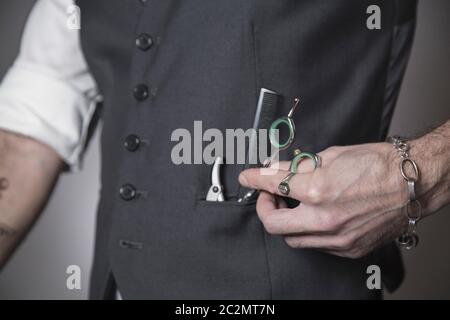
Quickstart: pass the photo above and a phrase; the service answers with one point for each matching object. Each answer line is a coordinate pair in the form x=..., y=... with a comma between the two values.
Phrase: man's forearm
x=28, y=172
x=355, y=202
x=432, y=154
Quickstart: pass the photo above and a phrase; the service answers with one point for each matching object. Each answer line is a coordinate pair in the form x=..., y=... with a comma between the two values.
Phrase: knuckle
x=263, y=218
x=329, y=222
x=269, y=224
x=319, y=190
x=333, y=150
x=273, y=185
x=354, y=254
x=346, y=242
x=315, y=194
x=291, y=242
x=338, y=254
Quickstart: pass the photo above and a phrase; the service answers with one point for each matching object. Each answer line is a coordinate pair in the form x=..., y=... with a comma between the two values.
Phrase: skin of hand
x=28, y=173
x=355, y=202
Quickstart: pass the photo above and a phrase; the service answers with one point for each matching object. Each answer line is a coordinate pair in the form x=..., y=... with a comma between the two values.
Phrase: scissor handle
x=302, y=155
x=273, y=130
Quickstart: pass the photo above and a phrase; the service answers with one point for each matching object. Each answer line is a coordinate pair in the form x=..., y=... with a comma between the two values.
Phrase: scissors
x=283, y=187
x=215, y=192
x=279, y=146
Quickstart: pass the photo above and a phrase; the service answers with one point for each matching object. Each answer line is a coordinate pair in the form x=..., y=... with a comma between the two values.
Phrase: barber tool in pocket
x=288, y=122
x=216, y=192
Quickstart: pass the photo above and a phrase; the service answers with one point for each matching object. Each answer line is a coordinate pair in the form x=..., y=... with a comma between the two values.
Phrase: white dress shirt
x=48, y=93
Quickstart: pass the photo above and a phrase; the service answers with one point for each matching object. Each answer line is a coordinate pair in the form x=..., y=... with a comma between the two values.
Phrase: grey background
x=64, y=234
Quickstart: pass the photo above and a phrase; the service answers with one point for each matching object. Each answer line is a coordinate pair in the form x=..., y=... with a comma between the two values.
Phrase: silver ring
x=283, y=187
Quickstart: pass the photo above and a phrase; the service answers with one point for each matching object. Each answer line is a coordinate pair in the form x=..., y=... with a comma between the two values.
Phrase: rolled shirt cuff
x=48, y=109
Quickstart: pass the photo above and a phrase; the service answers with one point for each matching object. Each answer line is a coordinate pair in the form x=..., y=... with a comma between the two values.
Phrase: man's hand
x=28, y=172
x=354, y=202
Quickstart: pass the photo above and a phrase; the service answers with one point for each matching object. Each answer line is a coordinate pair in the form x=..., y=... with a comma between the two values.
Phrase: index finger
x=268, y=179
x=284, y=221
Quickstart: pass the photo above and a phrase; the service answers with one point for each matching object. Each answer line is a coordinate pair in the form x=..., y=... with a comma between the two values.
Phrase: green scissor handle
x=273, y=133
x=291, y=129
x=284, y=187
x=299, y=156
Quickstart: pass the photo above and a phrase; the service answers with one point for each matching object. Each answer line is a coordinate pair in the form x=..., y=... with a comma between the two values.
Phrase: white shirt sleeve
x=48, y=94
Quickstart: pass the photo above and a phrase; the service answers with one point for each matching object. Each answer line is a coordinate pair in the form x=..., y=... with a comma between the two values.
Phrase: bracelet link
x=413, y=208
x=413, y=164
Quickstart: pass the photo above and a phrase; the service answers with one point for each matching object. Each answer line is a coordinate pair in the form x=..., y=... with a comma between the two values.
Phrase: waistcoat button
x=144, y=41
x=140, y=92
x=132, y=142
x=127, y=192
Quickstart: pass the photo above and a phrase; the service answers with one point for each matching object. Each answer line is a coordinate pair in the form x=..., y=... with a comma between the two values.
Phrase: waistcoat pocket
x=236, y=246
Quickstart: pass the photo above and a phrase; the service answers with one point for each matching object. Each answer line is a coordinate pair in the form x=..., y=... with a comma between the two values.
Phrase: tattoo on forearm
x=5, y=231
x=4, y=184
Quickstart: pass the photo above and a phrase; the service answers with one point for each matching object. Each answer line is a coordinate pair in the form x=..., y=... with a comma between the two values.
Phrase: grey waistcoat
x=161, y=65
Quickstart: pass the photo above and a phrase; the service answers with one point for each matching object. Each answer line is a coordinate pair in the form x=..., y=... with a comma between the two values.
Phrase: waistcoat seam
x=257, y=84
x=388, y=67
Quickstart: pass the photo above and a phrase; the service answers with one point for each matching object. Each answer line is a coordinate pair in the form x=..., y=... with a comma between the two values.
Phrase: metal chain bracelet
x=413, y=208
